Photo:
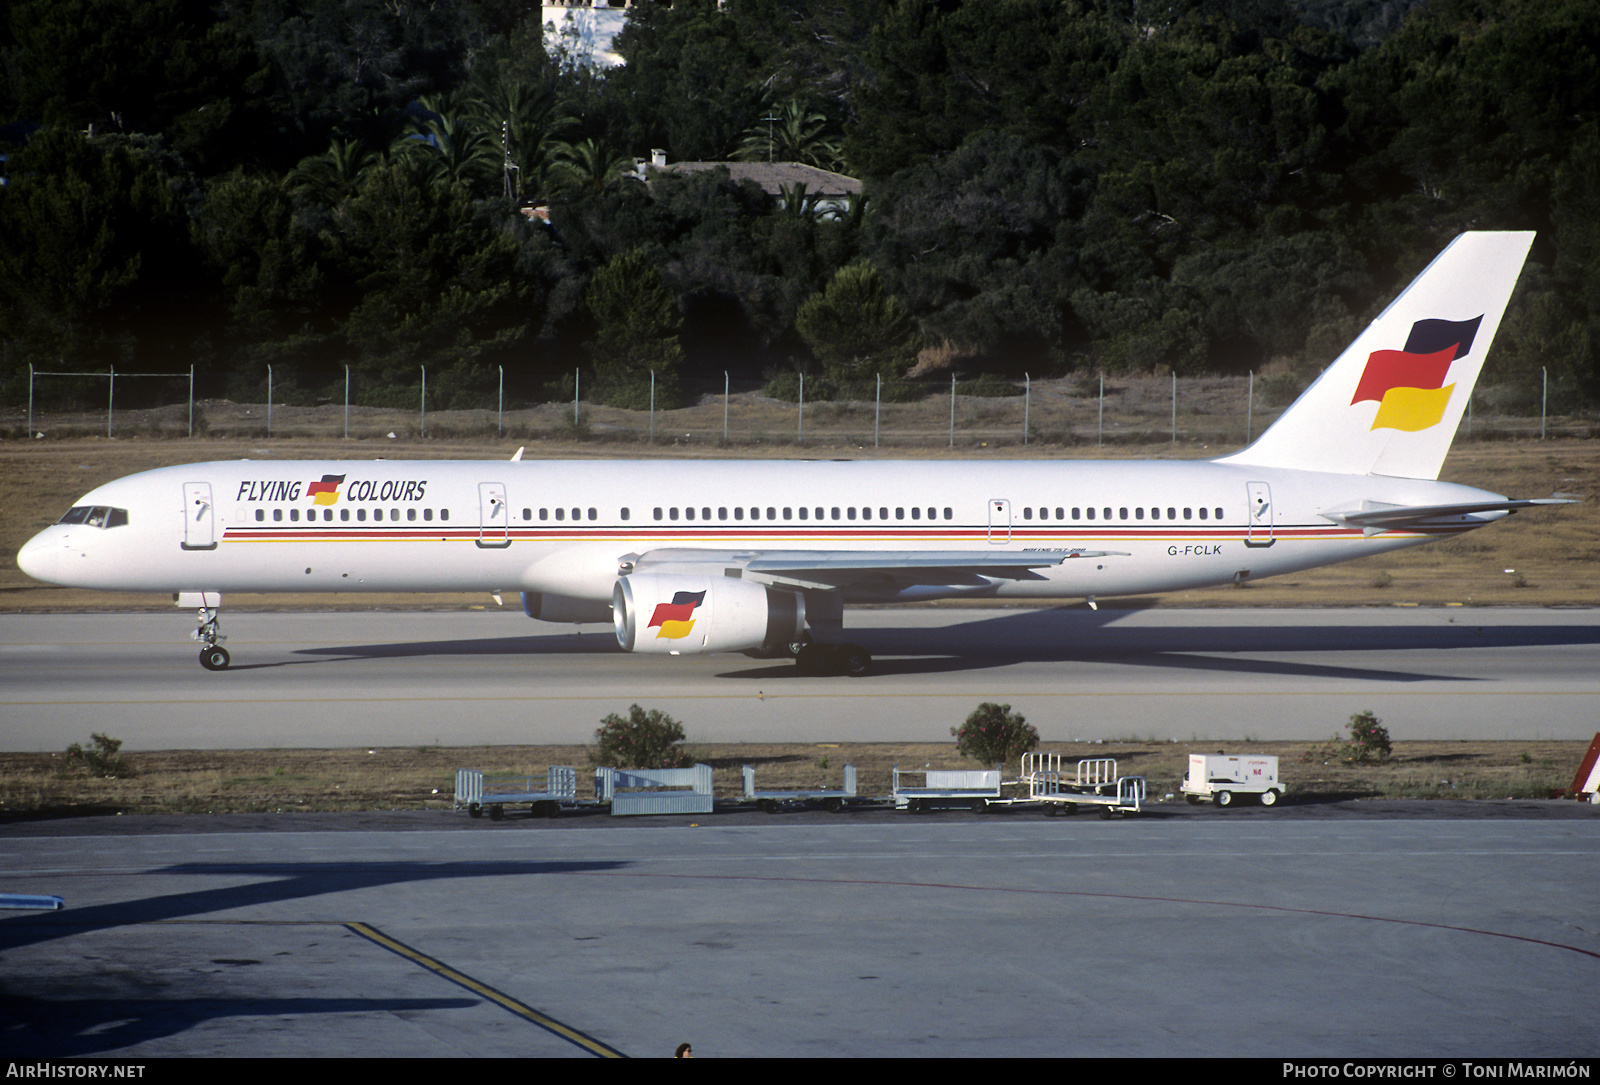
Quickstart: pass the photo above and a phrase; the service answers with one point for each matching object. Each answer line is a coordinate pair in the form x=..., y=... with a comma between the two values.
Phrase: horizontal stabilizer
x=1374, y=517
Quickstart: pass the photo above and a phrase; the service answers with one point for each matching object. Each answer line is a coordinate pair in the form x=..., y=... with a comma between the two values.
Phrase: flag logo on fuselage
x=325, y=492
x=677, y=617
x=1408, y=385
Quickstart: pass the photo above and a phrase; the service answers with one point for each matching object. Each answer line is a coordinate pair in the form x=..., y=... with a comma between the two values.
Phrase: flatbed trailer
x=476, y=792
x=946, y=789
x=1093, y=782
x=771, y=801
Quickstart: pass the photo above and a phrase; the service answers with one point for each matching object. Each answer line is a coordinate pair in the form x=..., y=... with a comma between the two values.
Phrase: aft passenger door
x=1258, y=532
x=494, y=520
x=199, y=517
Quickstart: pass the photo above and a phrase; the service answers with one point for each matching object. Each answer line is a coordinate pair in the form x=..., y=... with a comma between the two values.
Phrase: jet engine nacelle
x=547, y=607
x=686, y=615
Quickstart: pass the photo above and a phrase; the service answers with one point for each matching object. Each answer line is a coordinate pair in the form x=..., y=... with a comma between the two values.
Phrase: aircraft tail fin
x=1390, y=404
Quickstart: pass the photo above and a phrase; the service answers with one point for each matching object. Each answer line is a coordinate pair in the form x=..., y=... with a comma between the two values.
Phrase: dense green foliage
x=995, y=735
x=1051, y=185
x=640, y=740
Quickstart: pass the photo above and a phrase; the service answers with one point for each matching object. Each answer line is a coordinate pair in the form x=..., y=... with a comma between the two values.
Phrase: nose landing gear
x=213, y=657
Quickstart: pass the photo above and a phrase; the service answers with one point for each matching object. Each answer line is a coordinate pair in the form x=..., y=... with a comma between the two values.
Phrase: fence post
x=191, y=399
x=30, y=399
x=652, y=406
x=952, y=410
x=111, y=399
x=347, y=403
x=724, y=406
x=422, y=421
x=1544, y=398
x=1100, y=423
x=500, y=405
x=577, y=376
x=800, y=414
x=877, y=411
x=1027, y=400
x=1249, y=405
x=1174, y=406
x=269, y=401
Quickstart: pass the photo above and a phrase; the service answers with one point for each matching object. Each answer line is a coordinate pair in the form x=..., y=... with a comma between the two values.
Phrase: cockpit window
x=101, y=516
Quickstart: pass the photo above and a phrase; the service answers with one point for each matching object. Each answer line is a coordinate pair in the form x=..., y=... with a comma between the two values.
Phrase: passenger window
x=916, y=512
x=803, y=511
x=1202, y=514
x=624, y=514
x=738, y=512
x=949, y=514
x=277, y=515
x=1106, y=513
x=561, y=514
x=1123, y=514
x=594, y=514
x=444, y=514
x=544, y=514
x=294, y=516
x=705, y=514
x=900, y=512
x=411, y=514
x=1219, y=514
x=261, y=514
x=883, y=514
x=1188, y=513
x=835, y=514
x=1172, y=514
x=1027, y=512
x=527, y=514
x=1061, y=514
x=1138, y=514
x=577, y=514
x=361, y=514
x=427, y=514
x=688, y=514
x=722, y=513
x=850, y=513
x=658, y=514
x=344, y=514
x=394, y=514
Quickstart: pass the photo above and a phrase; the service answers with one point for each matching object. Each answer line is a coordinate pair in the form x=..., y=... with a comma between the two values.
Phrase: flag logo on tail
x=677, y=617
x=1408, y=385
x=325, y=492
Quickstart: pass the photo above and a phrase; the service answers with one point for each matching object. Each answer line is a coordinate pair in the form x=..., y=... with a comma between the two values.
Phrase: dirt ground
x=422, y=778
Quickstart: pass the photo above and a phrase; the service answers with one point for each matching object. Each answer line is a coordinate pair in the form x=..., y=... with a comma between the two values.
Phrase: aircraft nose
x=40, y=557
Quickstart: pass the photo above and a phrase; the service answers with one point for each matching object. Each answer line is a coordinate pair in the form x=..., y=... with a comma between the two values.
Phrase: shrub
x=1369, y=738
x=994, y=734
x=640, y=740
x=101, y=760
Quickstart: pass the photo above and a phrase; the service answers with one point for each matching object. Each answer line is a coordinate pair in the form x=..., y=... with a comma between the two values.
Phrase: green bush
x=101, y=760
x=994, y=735
x=1369, y=738
x=640, y=740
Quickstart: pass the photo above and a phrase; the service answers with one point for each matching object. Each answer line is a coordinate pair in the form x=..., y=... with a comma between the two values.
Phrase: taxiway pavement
x=494, y=677
x=808, y=936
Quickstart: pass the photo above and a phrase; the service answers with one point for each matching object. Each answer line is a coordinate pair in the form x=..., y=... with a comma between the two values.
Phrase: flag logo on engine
x=677, y=617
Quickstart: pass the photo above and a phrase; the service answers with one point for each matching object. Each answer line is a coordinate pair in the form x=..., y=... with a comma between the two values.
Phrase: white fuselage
x=566, y=527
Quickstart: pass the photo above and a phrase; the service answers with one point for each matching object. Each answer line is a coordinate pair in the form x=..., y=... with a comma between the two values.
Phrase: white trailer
x=1093, y=783
x=1222, y=778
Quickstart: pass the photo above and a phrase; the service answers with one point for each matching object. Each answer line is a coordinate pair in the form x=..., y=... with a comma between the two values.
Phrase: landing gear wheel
x=814, y=659
x=852, y=659
x=214, y=658
x=1223, y=798
x=1269, y=798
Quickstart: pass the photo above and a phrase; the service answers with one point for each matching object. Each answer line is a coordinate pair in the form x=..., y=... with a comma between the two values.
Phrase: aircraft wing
x=1374, y=517
x=835, y=569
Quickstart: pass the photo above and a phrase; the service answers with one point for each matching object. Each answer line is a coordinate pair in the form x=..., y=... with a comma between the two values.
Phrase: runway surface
x=495, y=677
x=809, y=936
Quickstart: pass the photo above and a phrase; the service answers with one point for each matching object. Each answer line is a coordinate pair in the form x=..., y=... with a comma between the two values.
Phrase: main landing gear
x=824, y=659
x=213, y=657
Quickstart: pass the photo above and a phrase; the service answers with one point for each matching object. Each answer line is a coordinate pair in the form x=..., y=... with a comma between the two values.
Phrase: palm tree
x=791, y=133
x=450, y=146
x=330, y=177
x=590, y=164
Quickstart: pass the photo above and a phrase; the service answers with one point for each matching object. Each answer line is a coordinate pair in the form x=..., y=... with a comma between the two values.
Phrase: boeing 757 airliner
x=761, y=557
